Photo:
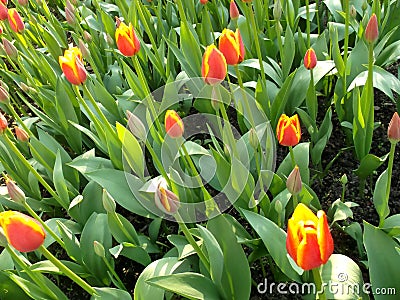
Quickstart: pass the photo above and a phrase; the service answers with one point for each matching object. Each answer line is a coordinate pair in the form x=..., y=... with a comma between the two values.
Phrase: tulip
x=173, y=124
x=288, y=130
x=3, y=123
x=127, y=42
x=9, y=48
x=371, y=31
x=166, y=200
x=203, y=1
x=23, y=2
x=4, y=2
x=15, y=192
x=310, y=59
x=214, y=66
x=15, y=21
x=393, y=131
x=309, y=241
x=3, y=11
x=233, y=10
x=23, y=232
x=21, y=134
x=4, y=95
x=293, y=182
x=72, y=66
x=231, y=46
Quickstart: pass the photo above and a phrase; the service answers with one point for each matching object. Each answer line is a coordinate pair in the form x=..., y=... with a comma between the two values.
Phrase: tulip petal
x=303, y=213
x=308, y=253
x=173, y=124
x=292, y=240
x=325, y=239
x=214, y=66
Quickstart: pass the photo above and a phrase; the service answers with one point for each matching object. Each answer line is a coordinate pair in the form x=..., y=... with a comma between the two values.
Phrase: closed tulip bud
x=166, y=200
x=136, y=126
x=84, y=50
x=394, y=129
x=232, y=47
x=371, y=31
x=23, y=2
x=277, y=11
x=3, y=124
x=109, y=40
x=309, y=241
x=72, y=66
x=293, y=182
x=233, y=10
x=253, y=138
x=15, y=21
x=203, y=1
x=353, y=12
x=26, y=89
x=364, y=6
x=343, y=179
x=14, y=191
x=21, y=134
x=9, y=48
x=70, y=14
x=87, y=37
x=310, y=59
x=288, y=130
x=127, y=42
x=4, y=95
x=214, y=67
x=108, y=202
x=173, y=124
x=24, y=233
x=3, y=12
x=99, y=249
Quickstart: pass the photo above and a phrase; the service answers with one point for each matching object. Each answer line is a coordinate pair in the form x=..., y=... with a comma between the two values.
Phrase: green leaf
x=383, y=260
x=71, y=242
x=236, y=278
x=133, y=252
x=187, y=284
x=392, y=225
x=59, y=181
x=110, y=294
x=369, y=164
x=380, y=201
x=276, y=246
x=9, y=289
x=288, y=53
x=301, y=154
x=121, y=229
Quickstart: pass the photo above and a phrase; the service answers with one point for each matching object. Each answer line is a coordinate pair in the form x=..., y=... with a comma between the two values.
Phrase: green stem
x=157, y=162
x=112, y=271
x=245, y=100
x=66, y=271
x=279, y=40
x=308, y=24
x=317, y=12
x=209, y=22
x=346, y=46
x=318, y=282
x=295, y=201
x=19, y=120
x=192, y=242
x=124, y=230
x=16, y=151
x=36, y=277
x=292, y=156
x=390, y=169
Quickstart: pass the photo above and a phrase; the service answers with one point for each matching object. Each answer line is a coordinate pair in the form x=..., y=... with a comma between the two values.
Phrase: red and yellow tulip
x=3, y=11
x=231, y=46
x=214, y=66
x=72, y=66
x=309, y=241
x=22, y=232
x=288, y=130
x=127, y=41
x=310, y=59
x=173, y=124
x=15, y=20
x=166, y=200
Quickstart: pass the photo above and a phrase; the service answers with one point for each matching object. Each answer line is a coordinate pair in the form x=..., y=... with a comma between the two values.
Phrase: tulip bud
x=353, y=12
x=26, y=89
x=99, y=249
x=15, y=21
x=364, y=6
x=9, y=48
x=127, y=42
x=277, y=11
x=173, y=124
x=233, y=10
x=15, y=192
x=166, y=200
x=203, y=1
x=214, y=67
x=136, y=126
x=3, y=12
x=23, y=2
x=288, y=130
x=371, y=31
x=253, y=138
x=232, y=47
x=108, y=202
x=87, y=37
x=84, y=50
x=3, y=123
x=109, y=39
x=4, y=96
x=23, y=232
x=310, y=59
x=394, y=129
x=293, y=182
x=70, y=14
x=344, y=179
x=72, y=66
x=21, y=134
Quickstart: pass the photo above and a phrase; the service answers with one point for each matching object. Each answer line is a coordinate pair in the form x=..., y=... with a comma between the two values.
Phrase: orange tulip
x=3, y=123
x=127, y=41
x=288, y=130
x=15, y=20
x=23, y=232
x=371, y=31
x=214, y=66
x=393, y=131
x=310, y=59
x=166, y=200
x=231, y=46
x=173, y=124
x=203, y=1
x=3, y=11
x=309, y=241
x=4, y=2
x=72, y=66
x=21, y=134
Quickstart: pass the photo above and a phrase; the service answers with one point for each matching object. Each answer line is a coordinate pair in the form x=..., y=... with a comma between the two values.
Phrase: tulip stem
x=318, y=282
x=16, y=151
x=308, y=23
x=245, y=100
x=390, y=169
x=292, y=156
x=121, y=285
x=36, y=277
x=66, y=271
x=346, y=47
x=192, y=242
x=157, y=162
x=130, y=238
x=19, y=120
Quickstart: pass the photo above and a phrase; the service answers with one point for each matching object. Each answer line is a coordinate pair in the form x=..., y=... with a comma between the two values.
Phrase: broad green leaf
x=380, y=201
x=121, y=229
x=59, y=181
x=301, y=154
x=110, y=294
x=131, y=251
x=369, y=164
x=9, y=289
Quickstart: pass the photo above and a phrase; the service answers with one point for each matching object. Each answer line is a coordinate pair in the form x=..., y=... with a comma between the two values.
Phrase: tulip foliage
x=186, y=142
